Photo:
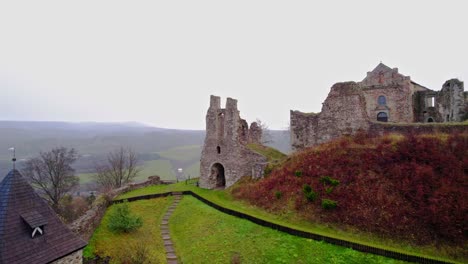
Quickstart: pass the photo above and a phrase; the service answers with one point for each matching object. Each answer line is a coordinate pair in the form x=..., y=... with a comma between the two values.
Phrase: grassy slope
x=225, y=199
x=270, y=153
x=189, y=152
x=163, y=168
x=193, y=170
x=105, y=243
x=86, y=177
x=201, y=233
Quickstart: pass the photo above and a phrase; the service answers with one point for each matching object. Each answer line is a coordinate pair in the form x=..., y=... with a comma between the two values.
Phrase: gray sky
x=157, y=62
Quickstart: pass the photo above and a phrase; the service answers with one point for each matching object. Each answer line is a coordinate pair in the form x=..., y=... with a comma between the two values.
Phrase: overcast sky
x=157, y=62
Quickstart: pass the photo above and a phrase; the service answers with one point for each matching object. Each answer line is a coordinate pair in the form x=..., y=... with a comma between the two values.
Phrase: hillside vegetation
x=201, y=233
x=412, y=188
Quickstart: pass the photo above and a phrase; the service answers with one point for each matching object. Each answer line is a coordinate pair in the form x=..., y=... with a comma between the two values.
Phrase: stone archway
x=217, y=174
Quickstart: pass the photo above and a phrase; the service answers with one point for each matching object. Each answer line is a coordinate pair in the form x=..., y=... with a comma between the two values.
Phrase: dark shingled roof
x=21, y=210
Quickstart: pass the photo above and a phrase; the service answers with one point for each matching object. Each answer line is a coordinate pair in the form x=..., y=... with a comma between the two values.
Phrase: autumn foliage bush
x=413, y=187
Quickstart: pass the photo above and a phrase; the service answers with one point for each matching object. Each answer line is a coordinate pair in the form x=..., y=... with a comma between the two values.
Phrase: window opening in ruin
x=430, y=120
x=431, y=102
x=448, y=118
x=382, y=100
x=382, y=117
x=217, y=172
x=220, y=125
x=218, y=149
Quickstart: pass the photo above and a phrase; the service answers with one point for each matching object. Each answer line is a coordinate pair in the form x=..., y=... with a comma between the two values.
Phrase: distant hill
x=95, y=140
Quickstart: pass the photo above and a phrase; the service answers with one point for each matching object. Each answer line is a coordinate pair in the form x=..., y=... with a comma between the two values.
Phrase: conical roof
x=24, y=215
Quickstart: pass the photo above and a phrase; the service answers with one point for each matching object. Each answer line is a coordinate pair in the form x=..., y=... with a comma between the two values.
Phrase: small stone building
x=30, y=231
x=383, y=97
x=225, y=157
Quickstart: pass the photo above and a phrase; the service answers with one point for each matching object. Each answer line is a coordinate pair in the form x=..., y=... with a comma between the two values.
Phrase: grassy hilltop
x=412, y=188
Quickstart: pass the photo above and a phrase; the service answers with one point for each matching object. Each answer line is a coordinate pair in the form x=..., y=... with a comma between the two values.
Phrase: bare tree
x=119, y=169
x=266, y=134
x=51, y=172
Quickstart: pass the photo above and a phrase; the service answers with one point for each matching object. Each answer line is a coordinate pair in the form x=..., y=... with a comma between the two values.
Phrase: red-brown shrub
x=413, y=187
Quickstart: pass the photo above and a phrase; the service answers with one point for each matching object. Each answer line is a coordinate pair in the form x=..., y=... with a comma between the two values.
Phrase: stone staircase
x=168, y=245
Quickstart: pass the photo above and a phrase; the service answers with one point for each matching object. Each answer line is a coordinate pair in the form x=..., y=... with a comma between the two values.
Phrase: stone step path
x=170, y=252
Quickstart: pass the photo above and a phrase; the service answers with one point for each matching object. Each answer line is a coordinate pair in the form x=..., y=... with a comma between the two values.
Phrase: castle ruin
x=385, y=101
x=225, y=157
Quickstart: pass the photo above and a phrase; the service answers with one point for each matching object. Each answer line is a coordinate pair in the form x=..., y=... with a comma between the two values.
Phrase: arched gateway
x=217, y=173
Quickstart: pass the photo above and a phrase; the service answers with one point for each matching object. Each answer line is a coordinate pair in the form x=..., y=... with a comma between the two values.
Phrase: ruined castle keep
x=225, y=157
x=385, y=101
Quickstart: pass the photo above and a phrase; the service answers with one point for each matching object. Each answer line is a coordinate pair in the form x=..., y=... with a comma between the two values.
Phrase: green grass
x=162, y=168
x=190, y=152
x=290, y=219
x=193, y=170
x=117, y=246
x=202, y=234
x=86, y=177
x=270, y=153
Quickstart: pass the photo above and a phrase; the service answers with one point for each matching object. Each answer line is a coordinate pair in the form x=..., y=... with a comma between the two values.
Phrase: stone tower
x=225, y=157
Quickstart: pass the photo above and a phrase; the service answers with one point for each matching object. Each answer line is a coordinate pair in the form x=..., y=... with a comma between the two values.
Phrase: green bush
x=328, y=180
x=122, y=220
x=329, y=189
x=278, y=194
x=329, y=204
x=268, y=169
x=309, y=193
x=298, y=173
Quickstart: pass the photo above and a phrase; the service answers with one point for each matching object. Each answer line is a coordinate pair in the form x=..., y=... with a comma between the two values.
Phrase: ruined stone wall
x=398, y=106
x=377, y=128
x=225, y=144
x=255, y=133
x=303, y=129
x=423, y=111
x=352, y=106
x=397, y=89
x=74, y=258
x=450, y=101
x=343, y=112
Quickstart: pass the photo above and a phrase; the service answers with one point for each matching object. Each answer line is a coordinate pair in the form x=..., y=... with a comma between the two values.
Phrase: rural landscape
x=233, y=132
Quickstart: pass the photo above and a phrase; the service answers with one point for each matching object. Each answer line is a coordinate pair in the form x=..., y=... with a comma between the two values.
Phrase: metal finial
x=14, y=157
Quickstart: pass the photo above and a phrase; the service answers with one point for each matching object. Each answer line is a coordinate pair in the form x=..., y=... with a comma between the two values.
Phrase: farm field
x=189, y=152
x=162, y=168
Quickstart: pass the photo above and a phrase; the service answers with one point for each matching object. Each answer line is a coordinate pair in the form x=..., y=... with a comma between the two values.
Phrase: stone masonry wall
x=399, y=105
x=351, y=107
x=343, y=112
x=225, y=145
x=450, y=101
x=74, y=258
x=302, y=126
x=377, y=128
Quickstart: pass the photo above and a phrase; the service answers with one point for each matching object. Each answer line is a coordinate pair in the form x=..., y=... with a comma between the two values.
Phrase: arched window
x=382, y=100
x=430, y=120
x=218, y=149
x=382, y=117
